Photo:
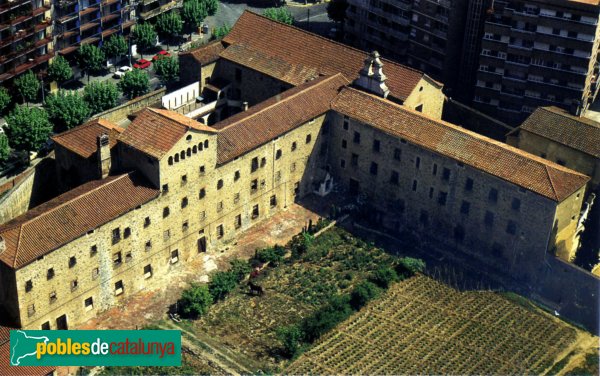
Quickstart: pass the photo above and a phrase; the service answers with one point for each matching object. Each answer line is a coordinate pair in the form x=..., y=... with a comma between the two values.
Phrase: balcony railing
x=159, y=10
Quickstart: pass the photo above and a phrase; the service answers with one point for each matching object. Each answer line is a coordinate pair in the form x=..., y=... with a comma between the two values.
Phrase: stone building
x=177, y=188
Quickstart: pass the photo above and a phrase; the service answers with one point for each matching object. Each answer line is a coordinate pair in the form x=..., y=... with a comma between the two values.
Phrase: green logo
x=95, y=348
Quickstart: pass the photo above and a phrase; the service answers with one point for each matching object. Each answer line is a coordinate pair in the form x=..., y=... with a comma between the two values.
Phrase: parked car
x=142, y=64
x=160, y=55
x=121, y=71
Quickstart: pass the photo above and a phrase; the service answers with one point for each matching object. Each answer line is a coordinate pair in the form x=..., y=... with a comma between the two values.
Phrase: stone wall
x=120, y=113
x=426, y=97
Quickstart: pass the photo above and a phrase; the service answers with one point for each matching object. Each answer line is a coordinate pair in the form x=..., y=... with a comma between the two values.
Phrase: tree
x=240, y=269
x=196, y=300
x=167, y=69
x=66, y=110
x=144, y=36
x=362, y=293
x=4, y=99
x=412, y=265
x=91, y=59
x=60, y=70
x=336, y=10
x=221, y=284
x=134, y=83
x=100, y=96
x=28, y=128
x=220, y=32
x=115, y=47
x=282, y=15
x=384, y=276
x=193, y=13
x=169, y=24
x=291, y=339
x=211, y=6
x=4, y=148
x=28, y=86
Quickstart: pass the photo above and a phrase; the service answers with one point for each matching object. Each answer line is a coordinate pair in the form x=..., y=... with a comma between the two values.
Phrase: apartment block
x=538, y=53
x=25, y=36
x=148, y=9
x=80, y=22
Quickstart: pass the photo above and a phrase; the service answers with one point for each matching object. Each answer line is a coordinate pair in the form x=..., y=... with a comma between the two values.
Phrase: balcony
x=10, y=5
x=27, y=66
x=159, y=10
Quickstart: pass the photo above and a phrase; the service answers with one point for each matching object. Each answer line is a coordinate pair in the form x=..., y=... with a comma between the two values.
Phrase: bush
x=221, y=284
x=384, y=276
x=326, y=318
x=362, y=294
x=410, y=265
x=300, y=244
x=240, y=269
x=273, y=255
x=291, y=339
x=195, y=301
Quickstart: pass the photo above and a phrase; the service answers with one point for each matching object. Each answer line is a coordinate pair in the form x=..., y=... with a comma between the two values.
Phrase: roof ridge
x=579, y=119
x=164, y=112
x=160, y=113
x=551, y=182
x=323, y=80
x=79, y=127
x=14, y=263
x=329, y=41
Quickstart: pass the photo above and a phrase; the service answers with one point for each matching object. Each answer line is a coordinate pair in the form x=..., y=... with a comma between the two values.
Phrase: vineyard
x=423, y=327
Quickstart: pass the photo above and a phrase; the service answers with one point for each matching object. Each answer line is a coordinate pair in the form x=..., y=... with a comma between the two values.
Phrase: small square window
x=345, y=126
x=30, y=310
x=148, y=245
x=344, y=144
x=116, y=235
x=220, y=206
x=238, y=221
x=166, y=212
x=414, y=186
x=220, y=231
x=354, y=160
x=185, y=226
x=255, y=212
x=184, y=202
x=127, y=233
x=28, y=286
x=446, y=174
x=434, y=170
x=220, y=184
x=166, y=235
x=72, y=261
x=515, y=204
x=278, y=154
x=95, y=273
x=442, y=197
x=202, y=170
x=165, y=188
x=465, y=207
x=294, y=146
x=117, y=259
x=493, y=195
x=236, y=175
x=308, y=138
x=356, y=138
x=293, y=167
x=183, y=179
x=202, y=193
x=273, y=201
x=469, y=185
x=89, y=303
x=50, y=274
x=254, y=185
x=174, y=256
x=254, y=164
x=74, y=285
x=376, y=146
x=263, y=162
x=148, y=271
x=373, y=169
x=119, y=288
x=417, y=163
x=93, y=250
x=236, y=198
x=397, y=154
x=146, y=221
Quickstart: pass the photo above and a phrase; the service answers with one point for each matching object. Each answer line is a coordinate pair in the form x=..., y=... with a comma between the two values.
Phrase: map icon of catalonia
x=23, y=345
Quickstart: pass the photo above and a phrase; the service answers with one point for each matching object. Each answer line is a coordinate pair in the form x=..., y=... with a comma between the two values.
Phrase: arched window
x=182, y=154
x=200, y=146
x=170, y=161
x=195, y=149
x=206, y=143
x=220, y=184
x=188, y=137
x=189, y=152
x=176, y=157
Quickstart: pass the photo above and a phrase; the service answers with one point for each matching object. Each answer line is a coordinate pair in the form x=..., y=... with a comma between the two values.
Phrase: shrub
x=362, y=294
x=273, y=255
x=300, y=244
x=240, y=269
x=410, y=265
x=384, y=276
x=326, y=318
x=221, y=284
x=195, y=301
x=291, y=339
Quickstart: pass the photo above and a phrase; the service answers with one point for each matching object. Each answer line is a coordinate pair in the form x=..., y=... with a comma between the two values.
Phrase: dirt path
x=585, y=344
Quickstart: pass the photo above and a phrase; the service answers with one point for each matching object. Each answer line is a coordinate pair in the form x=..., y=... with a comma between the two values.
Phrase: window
x=254, y=164
x=72, y=261
x=465, y=207
x=147, y=271
x=376, y=146
x=165, y=189
x=238, y=74
x=469, y=185
x=95, y=273
x=394, y=178
x=219, y=206
x=148, y=245
x=89, y=303
x=442, y=197
x=202, y=215
x=202, y=170
x=516, y=204
x=93, y=250
x=74, y=285
x=117, y=260
x=254, y=185
x=236, y=175
x=174, y=256
x=273, y=201
x=459, y=233
x=220, y=184
x=488, y=219
x=255, y=212
x=126, y=233
x=166, y=212
x=50, y=274
x=146, y=222
x=511, y=228
x=30, y=310
x=397, y=154
x=293, y=167
x=236, y=198
x=344, y=144
x=185, y=226
x=116, y=235
x=166, y=235
x=238, y=221
x=220, y=231
x=294, y=146
x=183, y=179
x=354, y=160
x=278, y=154
x=373, y=168
x=414, y=186
x=356, y=138
x=446, y=174
x=424, y=217
x=263, y=162
x=342, y=163
x=434, y=170
x=202, y=193
x=46, y=325
x=493, y=195
x=345, y=125
x=419, y=108
x=28, y=286
x=206, y=144
x=308, y=138
x=119, y=289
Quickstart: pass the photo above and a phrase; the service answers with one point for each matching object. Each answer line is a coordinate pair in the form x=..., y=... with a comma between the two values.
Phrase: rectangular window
x=166, y=212
x=356, y=138
x=424, y=217
x=93, y=250
x=255, y=212
x=174, y=256
x=46, y=325
x=273, y=201
x=238, y=221
x=414, y=186
x=354, y=160
x=117, y=260
x=278, y=154
x=185, y=226
x=397, y=154
x=434, y=170
x=254, y=185
x=344, y=144
x=219, y=206
x=516, y=204
x=376, y=146
x=72, y=261
x=166, y=235
x=220, y=231
x=202, y=215
x=430, y=192
x=493, y=195
x=147, y=271
x=52, y=297
x=417, y=163
x=74, y=285
x=489, y=219
x=89, y=303
x=511, y=228
x=446, y=174
x=238, y=74
x=95, y=273
x=146, y=222
x=465, y=207
x=148, y=245
x=183, y=179
x=116, y=235
x=278, y=175
x=469, y=185
x=254, y=164
x=30, y=310
x=342, y=163
x=236, y=198
x=202, y=170
x=165, y=189
x=119, y=289
x=442, y=198
x=50, y=274
x=236, y=175
x=293, y=167
x=394, y=178
x=373, y=169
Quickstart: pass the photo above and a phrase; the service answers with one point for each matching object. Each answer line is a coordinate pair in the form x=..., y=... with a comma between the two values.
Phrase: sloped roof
x=560, y=126
x=292, y=55
x=275, y=116
x=155, y=131
x=495, y=158
x=70, y=215
x=206, y=54
x=5, y=367
x=81, y=140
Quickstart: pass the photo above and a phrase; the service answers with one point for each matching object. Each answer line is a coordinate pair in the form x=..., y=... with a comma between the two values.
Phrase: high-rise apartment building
x=538, y=53
x=25, y=36
x=151, y=8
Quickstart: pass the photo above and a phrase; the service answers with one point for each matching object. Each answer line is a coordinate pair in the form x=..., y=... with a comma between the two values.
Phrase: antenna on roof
x=371, y=76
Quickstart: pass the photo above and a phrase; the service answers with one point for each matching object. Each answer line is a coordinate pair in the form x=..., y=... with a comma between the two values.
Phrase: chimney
x=371, y=76
x=103, y=155
x=244, y=106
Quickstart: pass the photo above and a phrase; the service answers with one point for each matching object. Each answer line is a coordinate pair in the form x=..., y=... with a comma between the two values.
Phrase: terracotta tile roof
x=5, y=367
x=495, y=158
x=206, y=54
x=275, y=116
x=155, y=131
x=82, y=139
x=560, y=126
x=276, y=46
x=70, y=215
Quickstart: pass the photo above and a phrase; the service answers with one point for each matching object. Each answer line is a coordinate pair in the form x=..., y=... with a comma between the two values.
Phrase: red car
x=160, y=55
x=142, y=64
